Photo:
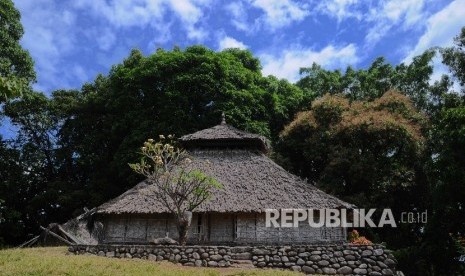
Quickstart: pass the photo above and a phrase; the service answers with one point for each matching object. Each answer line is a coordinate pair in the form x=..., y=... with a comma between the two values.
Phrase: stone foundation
x=321, y=259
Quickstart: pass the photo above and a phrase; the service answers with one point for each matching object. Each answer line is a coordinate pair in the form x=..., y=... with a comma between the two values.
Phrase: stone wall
x=224, y=229
x=322, y=259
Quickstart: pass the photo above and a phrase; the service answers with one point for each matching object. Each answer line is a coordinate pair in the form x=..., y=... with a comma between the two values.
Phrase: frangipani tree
x=180, y=187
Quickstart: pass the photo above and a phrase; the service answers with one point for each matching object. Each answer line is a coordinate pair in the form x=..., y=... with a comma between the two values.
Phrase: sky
x=72, y=41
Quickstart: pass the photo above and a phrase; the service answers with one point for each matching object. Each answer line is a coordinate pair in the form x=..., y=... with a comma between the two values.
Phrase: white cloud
x=190, y=15
x=186, y=10
x=124, y=13
x=105, y=39
x=161, y=34
x=140, y=13
x=410, y=11
x=340, y=9
x=80, y=73
x=49, y=36
x=439, y=69
x=281, y=13
x=229, y=42
x=441, y=28
x=289, y=61
x=196, y=34
x=380, y=16
x=238, y=16
x=402, y=13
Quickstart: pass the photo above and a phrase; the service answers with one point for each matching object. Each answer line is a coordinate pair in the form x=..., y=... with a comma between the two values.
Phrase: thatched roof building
x=251, y=181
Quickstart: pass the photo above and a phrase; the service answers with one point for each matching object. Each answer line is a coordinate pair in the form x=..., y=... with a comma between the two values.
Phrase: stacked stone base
x=346, y=259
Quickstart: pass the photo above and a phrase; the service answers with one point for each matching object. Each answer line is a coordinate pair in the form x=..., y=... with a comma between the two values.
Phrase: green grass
x=57, y=261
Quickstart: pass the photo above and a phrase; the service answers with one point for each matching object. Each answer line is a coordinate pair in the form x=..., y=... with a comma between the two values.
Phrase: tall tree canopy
x=368, y=84
x=366, y=152
x=336, y=140
x=178, y=91
x=444, y=239
x=39, y=168
x=16, y=65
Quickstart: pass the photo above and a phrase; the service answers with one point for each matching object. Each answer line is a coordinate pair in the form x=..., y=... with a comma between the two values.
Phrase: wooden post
x=209, y=227
x=235, y=227
x=256, y=237
x=146, y=229
x=125, y=228
x=29, y=242
x=56, y=236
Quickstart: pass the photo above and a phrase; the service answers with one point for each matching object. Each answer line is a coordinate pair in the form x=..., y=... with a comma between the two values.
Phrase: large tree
x=364, y=152
x=444, y=236
x=38, y=169
x=16, y=65
x=179, y=92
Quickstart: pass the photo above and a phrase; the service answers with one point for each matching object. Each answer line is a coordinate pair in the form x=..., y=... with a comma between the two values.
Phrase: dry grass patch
x=57, y=261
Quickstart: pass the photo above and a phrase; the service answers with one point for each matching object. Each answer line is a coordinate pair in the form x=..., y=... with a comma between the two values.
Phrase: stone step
x=242, y=264
x=241, y=256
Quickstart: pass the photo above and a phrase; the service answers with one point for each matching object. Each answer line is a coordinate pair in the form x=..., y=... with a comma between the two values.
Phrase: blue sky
x=72, y=41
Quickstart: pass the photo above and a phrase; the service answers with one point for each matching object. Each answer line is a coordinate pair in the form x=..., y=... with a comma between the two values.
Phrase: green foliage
x=175, y=92
x=380, y=77
x=16, y=65
x=76, y=145
x=454, y=57
x=12, y=191
x=363, y=152
x=180, y=187
x=437, y=252
x=447, y=223
x=38, y=167
x=11, y=87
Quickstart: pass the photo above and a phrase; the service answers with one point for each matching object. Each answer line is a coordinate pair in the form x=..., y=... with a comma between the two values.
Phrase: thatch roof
x=224, y=135
x=251, y=183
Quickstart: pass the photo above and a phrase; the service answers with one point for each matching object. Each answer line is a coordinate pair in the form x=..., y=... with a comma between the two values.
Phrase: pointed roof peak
x=223, y=118
x=224, y=136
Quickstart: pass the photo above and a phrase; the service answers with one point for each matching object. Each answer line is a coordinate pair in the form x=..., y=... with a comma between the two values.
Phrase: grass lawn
x=56, y=261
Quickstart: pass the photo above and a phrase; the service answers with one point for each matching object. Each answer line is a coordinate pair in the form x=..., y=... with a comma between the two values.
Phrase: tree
x=454, y=57
x=178, y=186
x=16, y=65
x=445, y=232
x=443, y=238
x=39, y=168
x=371, y=83
x=13, y=191
x=179, y=92
x=365, y=152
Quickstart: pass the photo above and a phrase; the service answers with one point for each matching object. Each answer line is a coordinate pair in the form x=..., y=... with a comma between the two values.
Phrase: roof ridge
x=224, y=135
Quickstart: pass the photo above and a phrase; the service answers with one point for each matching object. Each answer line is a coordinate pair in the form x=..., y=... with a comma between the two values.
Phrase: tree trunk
x=184, y=221
x=183, y=228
